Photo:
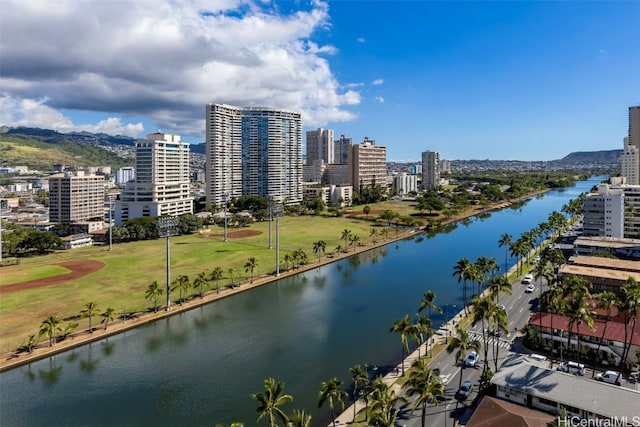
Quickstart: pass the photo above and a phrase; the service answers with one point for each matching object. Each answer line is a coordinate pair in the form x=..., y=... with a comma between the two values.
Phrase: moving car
x=465, y=390
x=530, y=289
x=471, y=359
x=572, y=367
x=611, y=377
x=527, y=279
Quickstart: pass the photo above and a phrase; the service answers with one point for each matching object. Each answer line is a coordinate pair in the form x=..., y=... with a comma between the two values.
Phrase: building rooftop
x=603, y=273
x=493, y=412
x=609, y=263
x=613, y=332
x=601, y=399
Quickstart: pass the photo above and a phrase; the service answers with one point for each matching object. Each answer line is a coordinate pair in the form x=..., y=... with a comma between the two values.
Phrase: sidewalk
x=391, y=378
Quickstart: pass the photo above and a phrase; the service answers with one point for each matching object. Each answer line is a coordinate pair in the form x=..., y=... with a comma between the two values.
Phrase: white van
x=572, y=367
x=611, y=377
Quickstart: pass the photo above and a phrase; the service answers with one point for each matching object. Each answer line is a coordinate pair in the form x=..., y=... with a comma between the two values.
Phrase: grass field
x=131, y=267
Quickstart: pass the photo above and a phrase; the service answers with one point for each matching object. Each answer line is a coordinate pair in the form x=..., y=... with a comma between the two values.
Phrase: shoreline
x=13, y=359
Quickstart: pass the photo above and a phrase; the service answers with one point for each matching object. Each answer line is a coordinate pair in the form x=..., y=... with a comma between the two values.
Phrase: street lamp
x=167, y=227
x=270, y=218
x=226, y=200
x=277, y=211
x=110, y=221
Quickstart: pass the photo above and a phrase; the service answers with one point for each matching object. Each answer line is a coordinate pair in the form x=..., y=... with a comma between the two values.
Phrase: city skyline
x=486, y=80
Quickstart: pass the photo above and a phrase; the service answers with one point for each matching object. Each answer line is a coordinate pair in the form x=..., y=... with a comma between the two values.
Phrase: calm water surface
x=198, y=368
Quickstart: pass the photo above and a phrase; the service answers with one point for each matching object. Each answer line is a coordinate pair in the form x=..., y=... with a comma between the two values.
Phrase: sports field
x=60, y=284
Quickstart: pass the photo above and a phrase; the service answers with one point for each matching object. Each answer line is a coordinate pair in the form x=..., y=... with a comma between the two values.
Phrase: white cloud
x=164, y=60
x=377, y=82
x=379, y=99
x=361, y=40
x=34, y=113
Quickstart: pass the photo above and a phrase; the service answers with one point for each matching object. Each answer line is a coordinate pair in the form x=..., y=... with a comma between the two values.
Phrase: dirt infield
x=238, y=234
x=78, y=269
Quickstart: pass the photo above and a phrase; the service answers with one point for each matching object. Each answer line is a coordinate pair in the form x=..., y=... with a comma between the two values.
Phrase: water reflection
x=51, y=375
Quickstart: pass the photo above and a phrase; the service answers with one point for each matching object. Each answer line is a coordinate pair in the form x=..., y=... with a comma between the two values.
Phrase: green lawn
x=131, y=267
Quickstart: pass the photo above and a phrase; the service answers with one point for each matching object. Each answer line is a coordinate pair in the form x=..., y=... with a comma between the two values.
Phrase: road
x=519, y=306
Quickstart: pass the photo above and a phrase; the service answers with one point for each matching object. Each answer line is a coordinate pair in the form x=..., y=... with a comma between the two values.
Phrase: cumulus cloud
x=164, y=60
x=377, y=82
x=379, y=99
x=35, y=113
x=361, y=40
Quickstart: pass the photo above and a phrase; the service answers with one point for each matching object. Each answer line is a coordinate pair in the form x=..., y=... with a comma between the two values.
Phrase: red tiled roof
x=614, y=331
x=494, y=412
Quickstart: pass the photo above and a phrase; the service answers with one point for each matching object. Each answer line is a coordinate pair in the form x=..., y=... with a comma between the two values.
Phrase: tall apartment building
x=430, y=170
x=320, y=146
x=614, y=211
x=125, y=174
x=630, y=160
x=76, y=197
x=253, y=151
x=367, y=164
x=405, y=183
x=341, y=150
x=161, y=186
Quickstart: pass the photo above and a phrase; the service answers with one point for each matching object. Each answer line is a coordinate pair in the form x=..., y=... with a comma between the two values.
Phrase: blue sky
x=471, y=80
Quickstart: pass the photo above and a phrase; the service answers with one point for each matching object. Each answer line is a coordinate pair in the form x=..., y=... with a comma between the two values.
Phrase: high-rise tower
x=430, y=170
x=367, y=164
x=253, y=151
x=320, y=146
x=161, y=184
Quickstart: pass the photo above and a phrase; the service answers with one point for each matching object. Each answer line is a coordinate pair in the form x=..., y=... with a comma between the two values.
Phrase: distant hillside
x=42, y=148
x=599, y=157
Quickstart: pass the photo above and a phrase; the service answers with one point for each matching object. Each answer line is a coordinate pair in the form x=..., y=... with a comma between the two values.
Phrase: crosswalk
x=502, y=343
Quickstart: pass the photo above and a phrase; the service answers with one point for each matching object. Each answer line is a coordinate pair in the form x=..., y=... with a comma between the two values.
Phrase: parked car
x=611, y=377
x=530, y=289
x=471, y=359
x=465, y=390
x=527, y=279
x=572, y=367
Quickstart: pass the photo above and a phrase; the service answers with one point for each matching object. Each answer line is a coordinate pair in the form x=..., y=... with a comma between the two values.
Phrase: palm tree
x=182, y=283
x=270, y=401
x=425, y=385
x=359, y=376
x=498, y=322
x=428, y=302
x=606, y=300
x=330, y=391
x=90, y=309
x=483, y=309
x=462, y=344
x=216, y=275
x=153, y=292
x=462, y=271
x=372, y=235
x=345, y=236
x=108, y=315
x=384, y=400
x=486, y=268
x=299, y=419
x=579, y=312
x=404, y=327
x=250, y=266
x=630, y=307
x=499, y=285
x=201, y=282
x=319, y=247
x=49, y=327
x=353, y=240
x=232, y=272
x=505, y=240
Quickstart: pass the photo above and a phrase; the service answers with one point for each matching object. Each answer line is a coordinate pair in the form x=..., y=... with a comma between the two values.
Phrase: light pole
x=167, y=226
x=110, y=222
x=270, y=219
x=277, y=210
x=226, y=200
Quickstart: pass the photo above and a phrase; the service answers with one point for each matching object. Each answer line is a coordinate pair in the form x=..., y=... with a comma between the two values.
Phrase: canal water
x=200, y=367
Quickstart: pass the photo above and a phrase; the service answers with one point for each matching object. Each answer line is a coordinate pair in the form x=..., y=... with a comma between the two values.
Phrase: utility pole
x=167, y=227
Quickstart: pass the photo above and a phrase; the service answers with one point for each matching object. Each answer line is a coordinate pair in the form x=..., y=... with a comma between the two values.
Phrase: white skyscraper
x=253, y=151
x=630, y=160
x=161, y=185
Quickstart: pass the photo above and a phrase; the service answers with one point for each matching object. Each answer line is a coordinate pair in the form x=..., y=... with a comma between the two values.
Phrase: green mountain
x=40, y=149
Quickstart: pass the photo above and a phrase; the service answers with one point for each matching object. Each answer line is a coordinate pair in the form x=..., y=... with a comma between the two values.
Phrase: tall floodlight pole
x=110, y=222
x=277, y=210
x=270, y=219
x=167, y=227
x=226, y=200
